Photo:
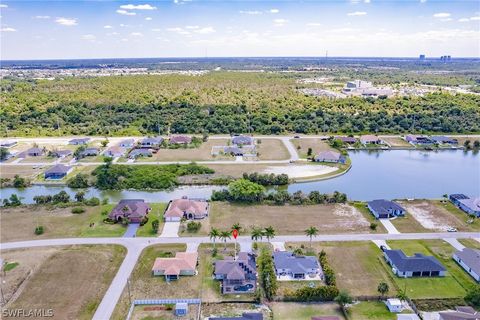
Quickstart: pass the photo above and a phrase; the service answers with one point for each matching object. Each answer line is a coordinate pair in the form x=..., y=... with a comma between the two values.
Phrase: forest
x=222, y=102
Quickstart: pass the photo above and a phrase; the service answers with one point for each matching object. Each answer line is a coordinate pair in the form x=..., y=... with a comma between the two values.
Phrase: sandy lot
x=431, y=216
x=304, y=171
x=316, y=144
x=23, y=171
x=189, y=154
x=71, y=281
x=272, y=149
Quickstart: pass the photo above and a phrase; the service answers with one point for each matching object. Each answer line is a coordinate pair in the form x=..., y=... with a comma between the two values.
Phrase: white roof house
x=394, y=305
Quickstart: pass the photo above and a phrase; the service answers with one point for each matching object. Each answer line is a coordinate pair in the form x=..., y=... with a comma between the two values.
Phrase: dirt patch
x=303, y=171
x=71, y=281
x=431, y=216
x=272, y=149
x=303, y=144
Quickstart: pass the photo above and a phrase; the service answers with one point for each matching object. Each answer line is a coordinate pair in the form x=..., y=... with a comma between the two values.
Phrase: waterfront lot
x=71, y=281
x=453, y=285
x=272, y=149
x=398, y=142
x=357, y=265
x=287, y=219
x=18, y=224
x=29, y=172
x=434, y=215
x=317, y=145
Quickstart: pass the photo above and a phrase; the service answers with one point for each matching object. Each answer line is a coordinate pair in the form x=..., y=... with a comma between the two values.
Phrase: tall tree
x=213, y=234
x=311, y=232
x=269, y=233
x=224, y=235
x=257, y=234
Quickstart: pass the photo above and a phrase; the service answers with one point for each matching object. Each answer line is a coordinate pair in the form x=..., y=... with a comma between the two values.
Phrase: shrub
x=144, y=221
x=109, y=221
x=155, y=225
x=93, y=201
x=193, y=226
x=105, y=212
x=373, y=226
x=39, y=230
x=322, y=293
x=78, y=210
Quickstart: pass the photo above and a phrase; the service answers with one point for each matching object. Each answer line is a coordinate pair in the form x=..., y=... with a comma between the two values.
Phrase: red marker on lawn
x=235, y=235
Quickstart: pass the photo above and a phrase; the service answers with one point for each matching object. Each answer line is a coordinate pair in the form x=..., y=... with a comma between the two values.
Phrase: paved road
x=136, y=245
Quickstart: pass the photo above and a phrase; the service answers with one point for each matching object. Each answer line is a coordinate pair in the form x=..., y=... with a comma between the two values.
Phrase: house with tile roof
x=133, y=209
x=237, y=276
x=127, y=143
x=418, y=265
x=242, y=140
x=289, y=266
x=183, y=264
x=186, y=208
x=179, y=139
x=138, y=153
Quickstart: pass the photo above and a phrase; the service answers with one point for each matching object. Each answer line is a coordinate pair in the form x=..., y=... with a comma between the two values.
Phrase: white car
x=451, y=229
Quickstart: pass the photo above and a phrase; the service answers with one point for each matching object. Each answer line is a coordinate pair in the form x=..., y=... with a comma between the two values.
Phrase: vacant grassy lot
x=303, y=144
x=203, y=152
x=272, y=149
x=398, y=142
x=162, y=313
x=72, y=281
x=370, y=311
x=357, y=265
x=304, y=311
x=435, y=215
x=470, y=243
x=30, y=172
x=231, y=309
x=408, y=224
x=288, y=219
x=19, y=223
x=453, y=285
x=39, y=159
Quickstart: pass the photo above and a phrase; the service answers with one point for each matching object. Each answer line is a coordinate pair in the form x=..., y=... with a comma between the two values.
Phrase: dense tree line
x=266, y=179
x=217, y=103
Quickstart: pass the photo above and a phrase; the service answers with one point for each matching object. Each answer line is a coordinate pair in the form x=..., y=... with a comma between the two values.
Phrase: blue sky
x=196, y=28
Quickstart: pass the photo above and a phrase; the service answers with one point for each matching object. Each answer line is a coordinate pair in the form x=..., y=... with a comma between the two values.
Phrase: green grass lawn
x=453, y=285
x=362, y=207
x=470, y=243
x=475, y=226
x=370, y=311
x=10, y=266
x=304, y=311
x=408, y=224
x=157, y=213
x=99, y=228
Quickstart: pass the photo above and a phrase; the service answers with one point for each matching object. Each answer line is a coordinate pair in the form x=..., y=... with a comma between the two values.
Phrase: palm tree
x=269, y=232
x=383, y=288
x=257, y=233
x=224, y=235
x=237, y=226
x=311, y=232
x=213, y=234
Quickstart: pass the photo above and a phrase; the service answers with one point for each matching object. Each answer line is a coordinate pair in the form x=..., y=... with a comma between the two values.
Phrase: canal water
x=374, y=175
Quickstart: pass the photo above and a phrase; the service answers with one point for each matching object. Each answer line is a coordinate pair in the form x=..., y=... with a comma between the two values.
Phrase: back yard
x=272, y=149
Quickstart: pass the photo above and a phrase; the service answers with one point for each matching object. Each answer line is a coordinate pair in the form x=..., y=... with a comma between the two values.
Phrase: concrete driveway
x=389, y=226
x=170, y=230
x=131, y=230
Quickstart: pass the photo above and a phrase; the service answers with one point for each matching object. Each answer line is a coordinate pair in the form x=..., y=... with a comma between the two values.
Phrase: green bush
x=78, y=210
x=193, y=226
x=39, y=230
x=93, y=201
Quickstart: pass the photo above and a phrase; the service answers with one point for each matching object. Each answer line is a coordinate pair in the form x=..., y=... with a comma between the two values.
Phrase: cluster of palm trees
x=258, y=233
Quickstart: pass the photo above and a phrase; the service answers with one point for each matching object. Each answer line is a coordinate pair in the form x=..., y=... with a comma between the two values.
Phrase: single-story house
x=465, y=203
x=32, y=152
x=418, y=265
x=461, y=313
x=79, y=141
x=244, y=316
x=184, y=264
x=456, y=197
x=330, y=156
x=90, y=152
x=186, y=208
x=414, y=139
x=291, y=266
x=469, y=260
x=62, y=153
x=385, y=209
x=8, y=143
x=151, y=142
x=237, y=276
x=133, y=209
x=115, y=152
x=179, y=139
x=233, y=150
x=443, y=140
x=370, y=139
x=136, y=153
x=394, y=305
x=348, y=140
x=58, y=171
x=242, y=140
x=127, y=143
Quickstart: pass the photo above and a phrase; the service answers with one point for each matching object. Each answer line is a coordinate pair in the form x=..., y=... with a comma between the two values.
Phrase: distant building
x=422, y=57
x=115, y=152
x=186, y=208
x=89, y=152
x=348, y=140
x=133, y=209
x=58, y=171
x=62, y=153
x=469, y=259
x=137, y=153
x=414, y=139
x=383, y=209
x=365, y=89
x=8, y=143
x=181, y=309
x=183, y=264
x=370, y=139
x=417, y=265
x=242, y=140
x=79, y=141
x=180, y=139
x=443, y=140
x=127, y=143
x=461, y=313
x=151, y=142
x=237, y=276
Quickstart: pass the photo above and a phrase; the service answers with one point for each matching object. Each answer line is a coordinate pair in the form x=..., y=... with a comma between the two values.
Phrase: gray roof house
x=237, y=276
x=443, y=140
x=244, y=316
x=151, y=142
x=418, y=265
x=329, y=156
x=127, y=143
x=242, y=140
x=58, y=171
x=34, y=152
x=467, y=204
x=461, y=313
x=385, y=209
x=292, y=267
x=469, y=260
x=79, y=141
x=89, y=152
x=136, y=153
x=62, y=153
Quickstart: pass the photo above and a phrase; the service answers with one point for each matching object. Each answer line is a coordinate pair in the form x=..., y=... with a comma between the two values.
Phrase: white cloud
x=8, y=29
x=280, y=22
x=178, y=30
x=441, y=15
x=89, y=37
x=274, y=10
x=156, y=29
x=125, y=12
x=192, y=27
x=205, y=30
x=446, y=19
x=148, y=18
x=107, y=27
x=314, y=24
x=137, y=7
x=124, y=40
x=66, y=21
x=3, y=6
x=251, y=12
x=463, y=20
x=42, y=17
x=366, y=1
x=475, y=18
x=181, y=1
x=136, y=34
x=357, y=13
x=423, y=1
x=123, y=25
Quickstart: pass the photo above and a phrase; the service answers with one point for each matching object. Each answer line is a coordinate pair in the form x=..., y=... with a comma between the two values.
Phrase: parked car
x=296, y=137
x=451, y=229
x=383, y=248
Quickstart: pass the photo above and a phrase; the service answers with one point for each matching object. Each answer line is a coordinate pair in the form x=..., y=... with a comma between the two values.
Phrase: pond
x=374, y=175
